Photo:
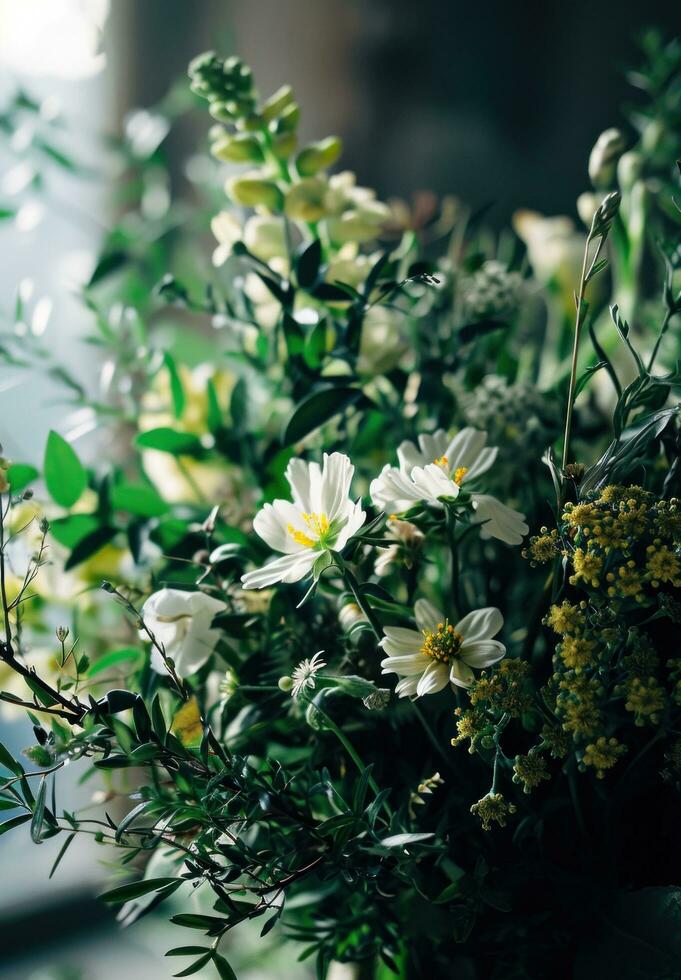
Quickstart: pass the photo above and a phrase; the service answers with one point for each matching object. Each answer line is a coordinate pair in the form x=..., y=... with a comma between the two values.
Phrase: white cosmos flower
x=438, y=467
x=441, y=653
x=321, y=517
x=182, y=624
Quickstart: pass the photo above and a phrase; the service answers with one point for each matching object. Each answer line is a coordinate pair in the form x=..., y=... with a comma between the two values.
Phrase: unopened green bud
x=62, y=633
x=273, y=107
x=318, y=156
x=629, y=169
x=241, y=148
x=219, y=109
x=284, y=145
x=604, y=156
x=285, y=684
x=287, y=121
x=255, y=191
x=40, y=755
x=305, y=201
x=251, y=123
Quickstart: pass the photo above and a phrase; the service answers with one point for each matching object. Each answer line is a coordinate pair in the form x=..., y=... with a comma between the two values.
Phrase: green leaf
x=62, y=851
x=186, y=950
x=293, y=334
x=238, y=405
x=20, y=475
x=169, y=441
x=14, y=822
x=176, y=390
x=72, y=529
x=108, y=264
x=139, y=499
x=195, y=966
x=192, y=920
x=89, y=545
x=316, y=409
x=135, y=889
x=214, y=410
x=9, y=762
x=113, y=659
x=224, y=969
x=308, y=263
x=65, y=475
x=39, y=813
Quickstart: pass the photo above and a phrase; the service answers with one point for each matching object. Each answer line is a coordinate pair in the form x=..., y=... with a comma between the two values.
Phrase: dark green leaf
x=308, y=263
x=89, y=545
x=316, y=409
x=14, y=822
x=108, y=264
x=135, y=889
x=176, y=389
x=39, y=812
x=139, y=499
x=8, y=762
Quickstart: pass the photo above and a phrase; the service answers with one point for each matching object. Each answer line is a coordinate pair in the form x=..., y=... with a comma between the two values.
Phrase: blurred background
x=496, y=103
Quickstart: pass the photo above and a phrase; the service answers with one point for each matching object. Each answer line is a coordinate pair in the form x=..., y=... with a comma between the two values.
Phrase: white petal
x=405, y=666
x=427, y=615
x=336, y=477
x=432, y=482
x=500, y=521
x=409, y=455
x=400, y=634
x=484, y=461
x=434, y=678
x=271, y=525
x=460, y=674
x=482, y=653
x=406, y=687
x=432, y=446
x=392, y=491
x=195, y=651
x=299, y=477
x=481, y=624
x=168, y=603
x=355, y=518
x=288, y=568
x=465, y=448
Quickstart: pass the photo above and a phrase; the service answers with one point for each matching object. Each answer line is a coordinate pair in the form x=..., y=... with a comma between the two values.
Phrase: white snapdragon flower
x=182, y=624
x=441, y=653
x=321, y=517
x=438, y=467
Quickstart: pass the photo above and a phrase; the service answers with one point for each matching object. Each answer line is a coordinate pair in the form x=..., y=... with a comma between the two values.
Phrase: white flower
x=303, y=676
x=228, y=232
x=182, y=624
x=322, y=516
x=441, y=653
x=437, y=468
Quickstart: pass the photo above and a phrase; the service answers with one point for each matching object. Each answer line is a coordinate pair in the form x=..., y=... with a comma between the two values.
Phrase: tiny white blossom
x=438, y=467
x=439, y=653
x=321, y=516
x=303, y=676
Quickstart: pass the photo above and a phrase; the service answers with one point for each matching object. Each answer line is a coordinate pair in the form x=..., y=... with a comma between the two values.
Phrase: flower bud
x=285, y=684
x=275, y=105
x=287, y=121
x=587, y=203
x=305, y=200
x=62, y=633
x=252, y=190
x=241, y=148
x=629, y=169
x=265, y=237
x=284, y=145
x=318, y=156
x=604, y=156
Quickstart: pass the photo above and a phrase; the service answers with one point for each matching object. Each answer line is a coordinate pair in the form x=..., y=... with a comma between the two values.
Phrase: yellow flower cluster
x=530, y=770
x=623, y=541
x=493, y=808
x=603, y=754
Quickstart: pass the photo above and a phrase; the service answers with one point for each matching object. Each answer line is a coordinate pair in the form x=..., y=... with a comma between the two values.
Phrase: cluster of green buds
x=284, y=178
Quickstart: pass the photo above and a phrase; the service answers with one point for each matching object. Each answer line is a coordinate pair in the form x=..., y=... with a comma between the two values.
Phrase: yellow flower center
x=316, y=524
x=442, y=644
x=459, y=472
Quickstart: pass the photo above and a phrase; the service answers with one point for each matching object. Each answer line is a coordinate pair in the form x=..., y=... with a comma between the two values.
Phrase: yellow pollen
x=442, y=644
x=316, y=524
x=459, y=475
x=441, y=461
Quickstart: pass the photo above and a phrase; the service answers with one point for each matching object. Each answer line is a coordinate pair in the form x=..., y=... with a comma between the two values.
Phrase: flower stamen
x=442, y=644
x=316, y=524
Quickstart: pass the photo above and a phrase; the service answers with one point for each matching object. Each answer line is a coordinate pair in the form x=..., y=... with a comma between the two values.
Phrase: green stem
x=353, y=586
x=450, y=520
x=351, y=751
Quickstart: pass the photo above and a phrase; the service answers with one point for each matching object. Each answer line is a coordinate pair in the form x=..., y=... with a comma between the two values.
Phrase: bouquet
x=366, y=615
